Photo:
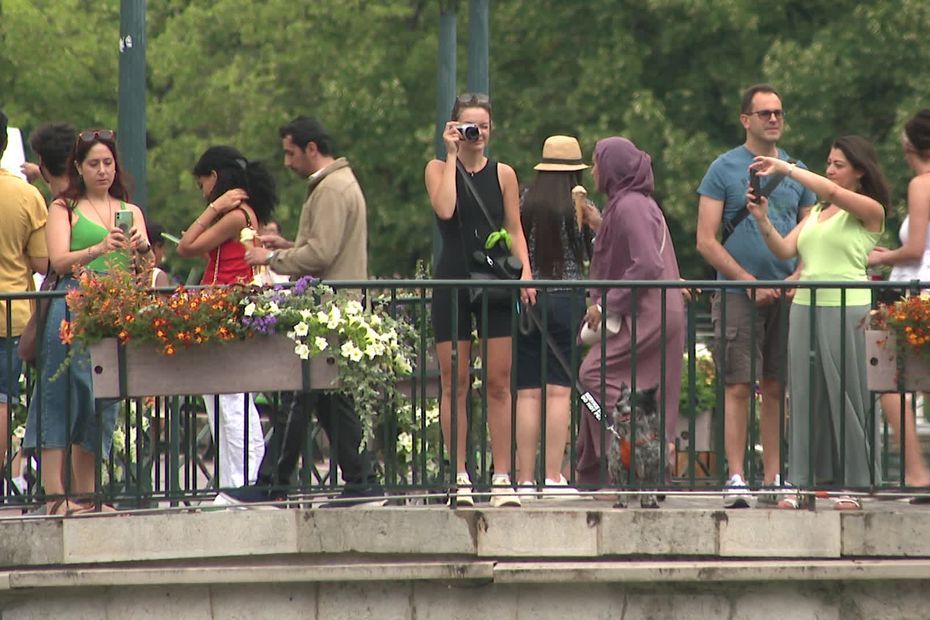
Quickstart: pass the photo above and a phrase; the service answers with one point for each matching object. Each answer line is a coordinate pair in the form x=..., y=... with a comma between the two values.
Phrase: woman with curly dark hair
x=241, y=195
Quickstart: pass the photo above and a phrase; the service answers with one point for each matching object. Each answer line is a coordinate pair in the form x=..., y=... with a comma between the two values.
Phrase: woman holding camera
x=241, y=195
x=465, y=229
x=83, y=234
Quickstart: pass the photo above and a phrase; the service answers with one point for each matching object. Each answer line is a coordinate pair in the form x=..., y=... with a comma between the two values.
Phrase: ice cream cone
x=580, y=196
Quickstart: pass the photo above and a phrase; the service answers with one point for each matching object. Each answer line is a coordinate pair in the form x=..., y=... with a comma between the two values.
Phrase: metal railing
x=164, y=454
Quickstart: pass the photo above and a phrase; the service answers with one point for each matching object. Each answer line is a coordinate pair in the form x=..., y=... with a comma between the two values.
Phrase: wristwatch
x=271, y=257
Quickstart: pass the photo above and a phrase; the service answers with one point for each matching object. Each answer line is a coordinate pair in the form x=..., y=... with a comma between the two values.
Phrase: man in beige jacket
x=331, y=244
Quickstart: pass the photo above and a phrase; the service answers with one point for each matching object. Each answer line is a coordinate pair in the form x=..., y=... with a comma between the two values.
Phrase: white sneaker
x=502, y=493
x=463, y=493
x=559, y=489
x=734, y=493
x=775, y=491
x=526, y=491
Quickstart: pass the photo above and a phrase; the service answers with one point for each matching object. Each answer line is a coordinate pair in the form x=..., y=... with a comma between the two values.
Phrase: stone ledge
x=247, y=573
x=710, y=571
x=584, y=530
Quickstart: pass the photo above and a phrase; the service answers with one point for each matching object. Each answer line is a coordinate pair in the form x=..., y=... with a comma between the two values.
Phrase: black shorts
x=499, y=317
x=566, y=309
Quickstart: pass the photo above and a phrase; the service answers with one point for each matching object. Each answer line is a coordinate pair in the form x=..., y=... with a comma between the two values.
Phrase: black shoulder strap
x=248, y=220
x=470, y=186
x=742, y=214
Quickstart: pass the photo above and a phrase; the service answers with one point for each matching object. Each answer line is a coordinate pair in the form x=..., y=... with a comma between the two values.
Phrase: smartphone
x=123, y=220
x=754, y=184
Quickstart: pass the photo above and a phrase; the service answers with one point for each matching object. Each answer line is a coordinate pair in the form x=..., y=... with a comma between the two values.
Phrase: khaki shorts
x=769, y=344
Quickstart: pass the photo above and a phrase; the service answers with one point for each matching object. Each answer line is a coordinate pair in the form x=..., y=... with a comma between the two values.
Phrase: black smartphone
x=754, y=184
x=123, y=220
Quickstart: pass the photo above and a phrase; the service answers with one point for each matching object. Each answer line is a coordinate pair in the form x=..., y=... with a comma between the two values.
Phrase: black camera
x=503, y=267
x=469, y=131
x=754, y=184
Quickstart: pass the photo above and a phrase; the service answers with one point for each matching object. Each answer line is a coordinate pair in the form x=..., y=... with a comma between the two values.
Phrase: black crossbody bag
x=495, y=263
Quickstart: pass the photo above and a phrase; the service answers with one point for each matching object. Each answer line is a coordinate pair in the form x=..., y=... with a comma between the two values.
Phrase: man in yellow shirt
x=22, y=251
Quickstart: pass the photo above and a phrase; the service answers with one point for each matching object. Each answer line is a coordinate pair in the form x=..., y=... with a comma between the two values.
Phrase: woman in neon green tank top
x=81, y=234
x=833, y=243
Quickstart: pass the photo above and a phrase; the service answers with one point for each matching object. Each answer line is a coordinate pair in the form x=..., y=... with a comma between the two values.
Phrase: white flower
x=322, y=317
x=302, y=351
x=321, y=343
x=374, y=349
x=250, y=309
x=301, y=329
x=335, y=315
x=351, y=351
x=353, y=308
x=375, y=320
x=305, y=315
x=273, y=308
x=403, y=364
x=405, y=443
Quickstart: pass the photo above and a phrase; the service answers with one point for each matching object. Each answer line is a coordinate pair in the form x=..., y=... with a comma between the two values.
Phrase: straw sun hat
x=561, y=153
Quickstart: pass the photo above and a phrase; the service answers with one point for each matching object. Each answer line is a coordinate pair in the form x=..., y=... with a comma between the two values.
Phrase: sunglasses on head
x=472, y=98
x=97, y=134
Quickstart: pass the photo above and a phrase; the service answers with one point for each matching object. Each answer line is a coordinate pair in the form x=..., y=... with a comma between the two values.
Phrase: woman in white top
x=911, y=261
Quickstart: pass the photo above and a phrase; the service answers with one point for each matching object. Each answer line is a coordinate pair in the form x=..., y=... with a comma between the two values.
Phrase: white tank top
x=918, y=270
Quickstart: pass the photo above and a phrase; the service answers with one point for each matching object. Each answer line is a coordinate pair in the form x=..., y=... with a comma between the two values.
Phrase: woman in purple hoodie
x=632, y=243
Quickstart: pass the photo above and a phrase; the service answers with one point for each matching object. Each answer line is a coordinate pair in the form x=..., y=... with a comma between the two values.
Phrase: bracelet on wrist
x=791, y=167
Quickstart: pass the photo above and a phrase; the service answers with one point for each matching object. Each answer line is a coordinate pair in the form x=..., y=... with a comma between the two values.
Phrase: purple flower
x=305, y=282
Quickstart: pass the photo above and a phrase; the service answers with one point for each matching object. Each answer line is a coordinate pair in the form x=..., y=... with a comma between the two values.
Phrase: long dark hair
x=547, y=207
x=76, y=188
x=234, y=171
x=861, y=155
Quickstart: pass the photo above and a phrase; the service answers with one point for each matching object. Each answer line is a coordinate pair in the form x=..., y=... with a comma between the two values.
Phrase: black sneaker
x=372, y=495
x=249, y=495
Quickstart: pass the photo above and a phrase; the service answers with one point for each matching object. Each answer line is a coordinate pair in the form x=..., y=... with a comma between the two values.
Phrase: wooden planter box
x=883, y=365
x=265, y=363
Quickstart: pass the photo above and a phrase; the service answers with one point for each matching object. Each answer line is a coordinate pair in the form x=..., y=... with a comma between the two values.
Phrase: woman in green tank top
x=831, y=439
x=82, y=233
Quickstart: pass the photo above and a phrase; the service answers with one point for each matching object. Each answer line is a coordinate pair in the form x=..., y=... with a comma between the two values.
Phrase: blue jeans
x=11, y=367
x=62, y=405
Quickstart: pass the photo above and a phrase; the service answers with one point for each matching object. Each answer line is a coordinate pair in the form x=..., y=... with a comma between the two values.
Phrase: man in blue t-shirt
x=744, y=256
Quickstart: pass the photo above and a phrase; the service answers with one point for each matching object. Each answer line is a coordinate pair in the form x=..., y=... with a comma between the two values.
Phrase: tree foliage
x=666, y=73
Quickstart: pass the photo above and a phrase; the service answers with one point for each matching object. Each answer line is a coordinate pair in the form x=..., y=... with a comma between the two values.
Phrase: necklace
x=108, y=221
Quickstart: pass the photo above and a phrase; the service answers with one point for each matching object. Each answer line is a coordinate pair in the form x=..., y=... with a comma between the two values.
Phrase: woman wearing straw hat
x=559, y=241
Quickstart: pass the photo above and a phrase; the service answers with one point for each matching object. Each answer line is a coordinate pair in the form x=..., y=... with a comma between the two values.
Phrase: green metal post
x=478, y=42
x=445, y=87
x=131, y=125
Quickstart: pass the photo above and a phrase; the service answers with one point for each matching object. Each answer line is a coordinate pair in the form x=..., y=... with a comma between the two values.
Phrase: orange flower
x=66, y=333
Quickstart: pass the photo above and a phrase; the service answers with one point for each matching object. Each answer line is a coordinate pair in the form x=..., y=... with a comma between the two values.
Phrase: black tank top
x=459, y=242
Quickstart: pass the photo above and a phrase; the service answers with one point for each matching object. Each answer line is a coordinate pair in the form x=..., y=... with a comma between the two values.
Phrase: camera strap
x=498, y=232
x=742, y=214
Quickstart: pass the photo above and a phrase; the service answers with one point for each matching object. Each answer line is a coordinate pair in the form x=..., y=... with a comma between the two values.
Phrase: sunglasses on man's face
x=767, y=114
x=99, y=134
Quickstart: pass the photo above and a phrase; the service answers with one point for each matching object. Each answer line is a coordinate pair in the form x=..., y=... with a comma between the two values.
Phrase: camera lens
x=469, y=131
